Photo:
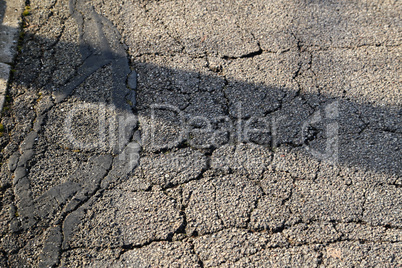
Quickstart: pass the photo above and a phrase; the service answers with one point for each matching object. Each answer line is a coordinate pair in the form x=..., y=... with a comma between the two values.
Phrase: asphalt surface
x=204, y=134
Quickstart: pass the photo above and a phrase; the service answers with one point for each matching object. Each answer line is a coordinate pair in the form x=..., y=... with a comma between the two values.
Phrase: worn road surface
x=204, y=134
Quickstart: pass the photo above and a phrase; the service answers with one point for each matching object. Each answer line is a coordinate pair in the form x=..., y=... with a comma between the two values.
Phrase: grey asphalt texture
x=204, y=134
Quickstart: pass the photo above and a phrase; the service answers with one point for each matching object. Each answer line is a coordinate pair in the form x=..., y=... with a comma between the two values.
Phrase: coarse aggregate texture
x=203, y=134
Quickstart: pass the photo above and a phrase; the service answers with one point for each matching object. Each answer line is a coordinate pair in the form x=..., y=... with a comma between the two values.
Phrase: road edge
x=9, y=34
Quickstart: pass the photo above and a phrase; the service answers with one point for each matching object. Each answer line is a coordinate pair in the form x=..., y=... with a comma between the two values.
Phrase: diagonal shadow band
x=96, y=70
x=368, y=134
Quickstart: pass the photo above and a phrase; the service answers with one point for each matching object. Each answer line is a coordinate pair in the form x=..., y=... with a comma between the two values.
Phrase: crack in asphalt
x=92, y=61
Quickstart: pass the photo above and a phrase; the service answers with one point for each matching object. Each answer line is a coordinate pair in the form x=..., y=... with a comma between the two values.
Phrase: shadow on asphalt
x=2, y=10
x=97, y=71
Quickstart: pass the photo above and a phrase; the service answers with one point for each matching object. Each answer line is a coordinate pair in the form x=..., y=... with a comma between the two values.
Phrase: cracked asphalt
x=204, y=134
